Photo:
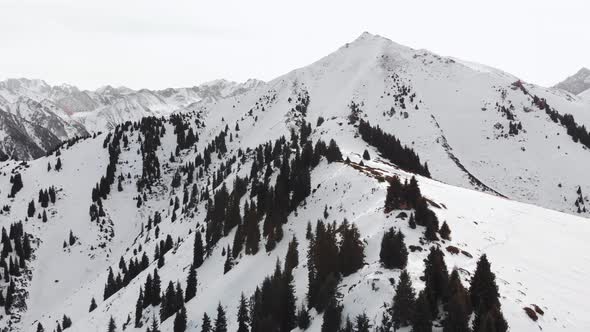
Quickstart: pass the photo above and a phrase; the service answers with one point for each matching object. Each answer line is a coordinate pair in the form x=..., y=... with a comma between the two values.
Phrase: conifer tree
x=422, y=318
x=139, y=308
x=243, y=315
x=366, y=155
x=206, y=324
x=292, y=257
x=333, y=153
x=221, y=320
x=228, y=261
x=66, y=322
x=445, y=231
x=457, y=319
x=362, y=323
x=436, y=279
x=483, y=289
x=180, y=320
x=40, y=328
x=332, y=317
x=351, y=254
x=303, y=318
x=403, y=301
x=191, y=284
x=31, y=209
x=92, y=305
x=393, y=254
x=112, y=326
x=154, y=327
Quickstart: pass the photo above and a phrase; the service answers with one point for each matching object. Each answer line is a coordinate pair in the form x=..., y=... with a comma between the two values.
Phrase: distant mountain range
x=36, y=116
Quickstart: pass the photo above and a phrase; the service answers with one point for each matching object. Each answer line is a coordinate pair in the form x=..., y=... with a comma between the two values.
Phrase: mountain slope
x=452, y=122
x=64, y=280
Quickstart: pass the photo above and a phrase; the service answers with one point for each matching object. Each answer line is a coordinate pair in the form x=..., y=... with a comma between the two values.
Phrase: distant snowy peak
x=577, y=83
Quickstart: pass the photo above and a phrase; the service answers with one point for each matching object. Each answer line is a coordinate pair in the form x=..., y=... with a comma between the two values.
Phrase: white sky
x=157, y=44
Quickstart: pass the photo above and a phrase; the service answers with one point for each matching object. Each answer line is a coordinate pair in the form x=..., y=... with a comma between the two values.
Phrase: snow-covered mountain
x=59, y=113
x=502, y=155
x=577, y=83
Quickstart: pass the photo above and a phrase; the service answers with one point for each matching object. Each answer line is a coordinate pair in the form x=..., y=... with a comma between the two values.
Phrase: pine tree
x=351, y=255
x=206, y=324
x=139, y=308
x=484, y=290
x=412, y=221
x=44, y=216
x=393, y=254
x=422, y=318
x=445, y=231
x=303, y=318
x=228, y=261
x=436, y=279
x=92, y=305
x=333, y=153
x=457, y=319
x=362, y=322
x=66, y=322
x=332, y=317
x=366, y=155
x=31, y=209
x=403, y=301
x=220, y=321
x=243, y=315
x=191, y=284
x=40, y=328
x=180, y=320
x=112, y=326
x=154, y=327
x=292, y=257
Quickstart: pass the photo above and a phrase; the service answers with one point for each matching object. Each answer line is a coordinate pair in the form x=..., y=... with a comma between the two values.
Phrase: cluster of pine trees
x=294, y=160
x=407, y=196
x=16, y=251
x=445, y=298
x=152, y=129
x=17, y=184
x=329, y=259
x=391, y=148
x=126, y=274
x=185, y=136
x=514, y=128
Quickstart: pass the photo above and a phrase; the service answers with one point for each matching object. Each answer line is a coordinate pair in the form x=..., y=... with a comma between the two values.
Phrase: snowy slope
x=451, y=123
x=64, y=281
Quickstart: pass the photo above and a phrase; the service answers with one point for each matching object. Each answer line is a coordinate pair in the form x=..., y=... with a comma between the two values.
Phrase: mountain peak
x=577, y=83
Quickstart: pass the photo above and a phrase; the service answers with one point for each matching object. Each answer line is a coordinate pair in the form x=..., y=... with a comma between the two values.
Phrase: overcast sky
x=157, y=44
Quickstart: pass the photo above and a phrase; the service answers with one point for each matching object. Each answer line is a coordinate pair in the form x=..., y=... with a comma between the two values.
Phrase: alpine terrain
x=381, y=188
